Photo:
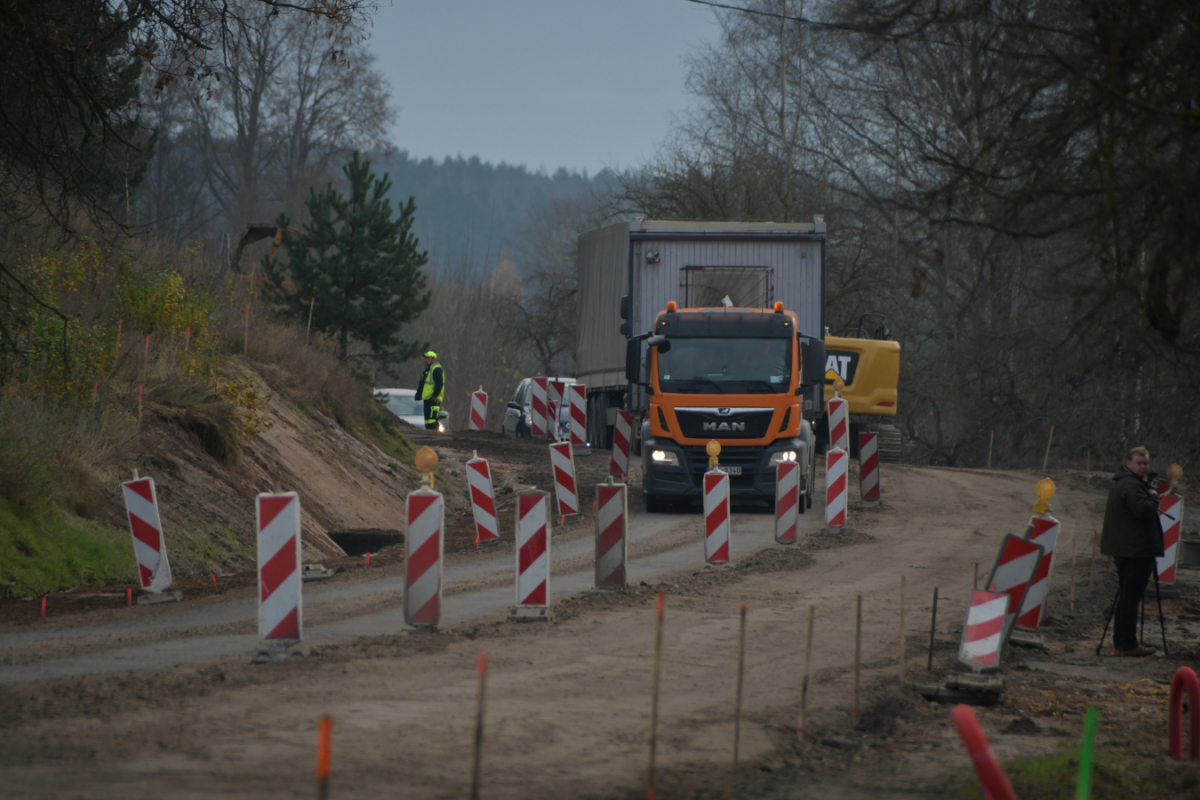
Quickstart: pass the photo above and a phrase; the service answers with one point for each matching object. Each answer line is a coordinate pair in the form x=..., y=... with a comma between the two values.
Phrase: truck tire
x=654, y=504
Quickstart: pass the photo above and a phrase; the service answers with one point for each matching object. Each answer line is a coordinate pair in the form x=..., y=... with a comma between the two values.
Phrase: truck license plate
x=732, y=470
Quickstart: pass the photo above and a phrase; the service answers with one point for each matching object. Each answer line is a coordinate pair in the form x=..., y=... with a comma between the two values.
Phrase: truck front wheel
x=655, y=504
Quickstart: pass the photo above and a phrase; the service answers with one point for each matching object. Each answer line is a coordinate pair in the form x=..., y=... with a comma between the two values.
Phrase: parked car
x=517, y=421
x=405, y=405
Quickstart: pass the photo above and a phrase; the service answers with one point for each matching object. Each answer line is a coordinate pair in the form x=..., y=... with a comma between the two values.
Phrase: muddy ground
x=568, y=702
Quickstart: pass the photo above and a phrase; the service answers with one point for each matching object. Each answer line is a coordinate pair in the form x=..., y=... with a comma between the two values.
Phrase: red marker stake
x=324, y=734
x=481, y=668
x=213, y=575
x=129, y=597
x=368, y=559
x=43, y=608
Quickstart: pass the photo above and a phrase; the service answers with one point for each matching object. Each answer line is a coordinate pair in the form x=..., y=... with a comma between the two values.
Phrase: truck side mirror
x=633, y=361
x=661, y=342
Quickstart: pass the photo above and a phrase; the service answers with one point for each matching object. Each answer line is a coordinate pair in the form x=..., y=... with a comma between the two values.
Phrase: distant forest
x=465, y=205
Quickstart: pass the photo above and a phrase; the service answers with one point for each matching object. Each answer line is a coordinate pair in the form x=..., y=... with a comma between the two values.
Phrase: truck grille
x=747, y=458
x=748, y=424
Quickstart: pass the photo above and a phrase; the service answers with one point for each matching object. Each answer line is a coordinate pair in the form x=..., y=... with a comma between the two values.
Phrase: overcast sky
x=544, y=83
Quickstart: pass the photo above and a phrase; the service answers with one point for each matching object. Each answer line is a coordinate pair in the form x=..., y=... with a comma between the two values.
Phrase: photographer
x=1133, y=538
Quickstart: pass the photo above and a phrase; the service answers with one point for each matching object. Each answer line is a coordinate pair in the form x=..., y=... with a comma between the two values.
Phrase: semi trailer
x=717, y=330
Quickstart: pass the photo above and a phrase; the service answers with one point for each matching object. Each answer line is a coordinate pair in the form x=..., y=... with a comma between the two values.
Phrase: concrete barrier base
x=530, y=614
x=1023, y=637
x=275, y=654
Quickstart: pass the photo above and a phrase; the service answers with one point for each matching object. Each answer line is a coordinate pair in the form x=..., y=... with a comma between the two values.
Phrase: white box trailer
x=640, y=265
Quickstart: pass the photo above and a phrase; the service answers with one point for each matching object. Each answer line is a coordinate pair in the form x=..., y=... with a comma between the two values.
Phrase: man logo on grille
x=725, y=426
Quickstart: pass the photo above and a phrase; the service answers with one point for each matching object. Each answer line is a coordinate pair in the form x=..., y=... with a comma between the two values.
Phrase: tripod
x=1162, y=625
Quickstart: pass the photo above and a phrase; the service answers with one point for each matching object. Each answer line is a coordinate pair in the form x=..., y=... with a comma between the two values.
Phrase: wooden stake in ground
x=807, y=666
x=737, y=712
x=246, y=343
x=1092, y=580
x=324, y=732
x=902, y=629
x=1046, y=460
x=658, y=640
x=1074, y=536
x=975, y=580
x=932, y=630
x=857, y=648
x=991, y=440
x=480, y=696
x=311, y=304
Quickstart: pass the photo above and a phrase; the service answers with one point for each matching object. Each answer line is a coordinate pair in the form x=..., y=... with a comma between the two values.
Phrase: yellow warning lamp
x=713, y=448
x=1175, y=473
x=426, y=461
x=838, y=385
x=1045, y=489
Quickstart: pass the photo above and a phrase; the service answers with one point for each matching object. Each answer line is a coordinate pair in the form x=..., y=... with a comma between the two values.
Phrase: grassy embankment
x=151, y=339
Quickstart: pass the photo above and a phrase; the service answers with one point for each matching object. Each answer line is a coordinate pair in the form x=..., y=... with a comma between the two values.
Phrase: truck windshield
x=726, y=366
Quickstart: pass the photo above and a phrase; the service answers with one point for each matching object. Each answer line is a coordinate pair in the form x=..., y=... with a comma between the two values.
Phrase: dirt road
x=568, y=702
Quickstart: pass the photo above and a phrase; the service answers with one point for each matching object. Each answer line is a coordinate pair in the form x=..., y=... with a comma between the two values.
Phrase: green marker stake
x=1085, y=754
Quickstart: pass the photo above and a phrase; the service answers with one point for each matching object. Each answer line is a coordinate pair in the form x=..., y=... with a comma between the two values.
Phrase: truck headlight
x=664, y=457
x=788, y=456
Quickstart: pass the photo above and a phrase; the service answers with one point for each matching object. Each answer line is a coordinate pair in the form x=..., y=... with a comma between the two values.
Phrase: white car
x=405, y=405
x=516, y=416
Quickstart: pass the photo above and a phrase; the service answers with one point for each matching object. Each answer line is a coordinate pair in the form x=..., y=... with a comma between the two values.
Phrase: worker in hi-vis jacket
x=431, y=390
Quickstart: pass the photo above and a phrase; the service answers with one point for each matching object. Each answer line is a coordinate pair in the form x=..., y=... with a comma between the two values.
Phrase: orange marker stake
x=324, y=734
x=43, y=608
x=368, y=559
x=129, y=597
x=187, y=339
x=658, y=639
x=481, y=668
x=213, y=575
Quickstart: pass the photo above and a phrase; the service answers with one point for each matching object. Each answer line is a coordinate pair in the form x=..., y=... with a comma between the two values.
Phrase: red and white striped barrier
x=533, y=550
x=280, y=610
x=483, y=502
x=577, y=393
x=836, y=461
x=622, y=436
x=868, y=467
x=1043, y=530
x=839, y=422
x=716, y=517
x=1015, y=566
x=1170, y=517
x=149, y=547
x=787, y=501
x=425, y=513
x=479, y=401
x=612, y=543
x=564, y=478
x=556, y=392
x=983, y=630
x=537, y=408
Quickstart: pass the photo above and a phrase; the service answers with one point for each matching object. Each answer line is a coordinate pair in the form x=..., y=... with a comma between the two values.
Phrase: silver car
x=517, y=421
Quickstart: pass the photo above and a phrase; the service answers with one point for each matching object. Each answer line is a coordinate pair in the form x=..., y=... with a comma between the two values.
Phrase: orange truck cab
x=733, y=375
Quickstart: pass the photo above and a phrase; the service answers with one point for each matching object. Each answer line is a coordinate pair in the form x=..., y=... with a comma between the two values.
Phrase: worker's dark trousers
x=1133, y=574
x=431, y=414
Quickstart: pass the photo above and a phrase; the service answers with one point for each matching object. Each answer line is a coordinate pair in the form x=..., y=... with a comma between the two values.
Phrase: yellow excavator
x=867, y=360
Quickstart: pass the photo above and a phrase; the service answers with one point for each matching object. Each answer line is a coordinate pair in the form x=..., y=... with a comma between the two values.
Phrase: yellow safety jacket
x=433, y=386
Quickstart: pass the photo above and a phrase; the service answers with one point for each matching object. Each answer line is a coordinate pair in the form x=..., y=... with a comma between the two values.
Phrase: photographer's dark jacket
x=1131, y=528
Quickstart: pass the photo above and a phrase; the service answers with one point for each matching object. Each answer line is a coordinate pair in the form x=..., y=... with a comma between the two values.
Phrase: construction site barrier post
x=983, y=630
x=554, y=395
x=716, y=517
x=1170, y=517
x=836, y=461
x=280, y=606
x=565, y=489
x=839, y=422
x=577, y=394
x=424, y=545
x=787, y=501
x=612, y=539
x=1015, y=566
x=483, y=502
x=149, y=545
x=1043, y=530
x=479, y=409
x=622, y=436
x=533, y=556
x=1184, y=680
x=537, y=409
x=868, y=467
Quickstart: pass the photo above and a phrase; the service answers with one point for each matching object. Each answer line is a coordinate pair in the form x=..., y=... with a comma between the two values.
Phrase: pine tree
x=362, y=265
